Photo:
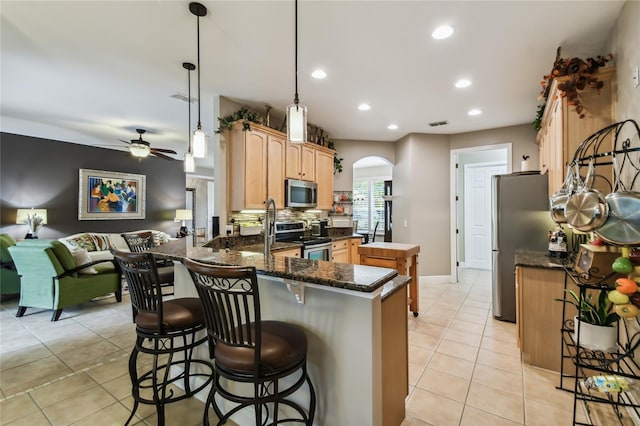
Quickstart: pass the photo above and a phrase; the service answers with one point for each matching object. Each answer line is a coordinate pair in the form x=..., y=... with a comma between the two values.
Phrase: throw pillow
x=101, y=242
x=160, y=238
x=82, y=241
x=82, y=257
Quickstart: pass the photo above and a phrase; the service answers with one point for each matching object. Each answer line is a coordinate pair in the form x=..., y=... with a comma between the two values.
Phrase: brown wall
x=43, y=173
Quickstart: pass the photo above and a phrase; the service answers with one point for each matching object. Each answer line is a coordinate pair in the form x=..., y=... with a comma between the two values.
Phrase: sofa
x=9, y=280
x=51, y=277
x=98, y=244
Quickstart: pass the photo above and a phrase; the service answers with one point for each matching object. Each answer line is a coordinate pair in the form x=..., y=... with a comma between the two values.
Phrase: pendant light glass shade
x=199, y=143
x=139, y=150
x=189, y=163
x=296, y=123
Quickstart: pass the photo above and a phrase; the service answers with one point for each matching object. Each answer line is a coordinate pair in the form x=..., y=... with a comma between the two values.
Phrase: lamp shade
x=184, y=214
x=27, y=216
x=199, y=143
x=296, y=123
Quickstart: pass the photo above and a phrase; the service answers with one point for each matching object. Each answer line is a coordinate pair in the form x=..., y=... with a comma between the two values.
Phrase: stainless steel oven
x=316, y=250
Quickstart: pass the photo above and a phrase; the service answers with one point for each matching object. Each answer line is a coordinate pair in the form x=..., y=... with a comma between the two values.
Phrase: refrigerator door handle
x=495, y=198
x=496, y=292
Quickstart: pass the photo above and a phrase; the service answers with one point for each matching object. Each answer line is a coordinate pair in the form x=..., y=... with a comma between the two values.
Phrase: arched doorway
x=372, y=202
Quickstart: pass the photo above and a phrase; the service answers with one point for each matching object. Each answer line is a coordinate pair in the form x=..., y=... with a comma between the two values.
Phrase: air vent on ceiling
x=439, y=123
x=182, y=97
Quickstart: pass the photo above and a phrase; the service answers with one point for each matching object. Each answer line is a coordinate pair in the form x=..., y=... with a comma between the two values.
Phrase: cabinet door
x=287, y=253
x=324, y=179
x=293, y=166
x=307, y=163
x=354, y=257
x=276, y=146
x=340, y=256
x=255, y=169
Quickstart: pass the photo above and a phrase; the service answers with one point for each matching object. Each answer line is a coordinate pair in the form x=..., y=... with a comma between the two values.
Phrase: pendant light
x=199, y=137
x=296, y=113
x=189, y=161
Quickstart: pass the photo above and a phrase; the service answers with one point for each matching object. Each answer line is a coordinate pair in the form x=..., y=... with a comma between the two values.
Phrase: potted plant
x=595, y=321
x=583, y=75
x=243, y=114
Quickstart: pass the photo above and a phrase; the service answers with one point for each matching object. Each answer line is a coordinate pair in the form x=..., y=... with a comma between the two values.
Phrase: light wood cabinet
x=563, y=130
x=287, y=253
x=539, y=315
x=340, y=251
x=354, y=257
x=256, y=167
x=300, y=161
x=324, y=178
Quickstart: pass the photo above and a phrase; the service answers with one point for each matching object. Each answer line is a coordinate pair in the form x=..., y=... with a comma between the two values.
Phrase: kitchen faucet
x=269, y=225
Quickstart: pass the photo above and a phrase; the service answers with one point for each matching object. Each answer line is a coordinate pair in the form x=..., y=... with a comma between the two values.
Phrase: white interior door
x=477, y=213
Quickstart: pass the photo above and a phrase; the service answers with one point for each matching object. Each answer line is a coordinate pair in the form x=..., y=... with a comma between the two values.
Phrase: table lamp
x=34, y=219
x=183, y=215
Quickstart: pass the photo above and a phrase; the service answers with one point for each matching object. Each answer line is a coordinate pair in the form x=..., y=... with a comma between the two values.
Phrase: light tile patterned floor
x=464, y=366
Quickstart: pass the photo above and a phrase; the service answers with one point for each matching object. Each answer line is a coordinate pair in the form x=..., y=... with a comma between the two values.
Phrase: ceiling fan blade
x=168, y=151
x=157, y=154
x=128, y=143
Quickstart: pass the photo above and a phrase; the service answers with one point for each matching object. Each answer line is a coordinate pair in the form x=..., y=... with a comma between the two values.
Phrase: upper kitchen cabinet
x=563, y=130
x=324, y=177
x=300, y=162
x=256, y=167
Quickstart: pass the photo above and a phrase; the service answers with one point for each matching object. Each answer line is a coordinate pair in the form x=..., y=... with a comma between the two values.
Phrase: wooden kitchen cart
x=402, y=257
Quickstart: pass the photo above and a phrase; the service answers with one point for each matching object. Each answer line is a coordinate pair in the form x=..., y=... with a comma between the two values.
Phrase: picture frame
x=105, y=195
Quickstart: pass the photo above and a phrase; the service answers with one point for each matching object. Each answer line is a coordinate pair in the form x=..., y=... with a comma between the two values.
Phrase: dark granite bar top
x=398, y=283
x=537, y=259
x=340, y=275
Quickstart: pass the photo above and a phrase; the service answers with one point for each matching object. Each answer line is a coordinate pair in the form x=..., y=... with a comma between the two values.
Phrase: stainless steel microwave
x=298, y=193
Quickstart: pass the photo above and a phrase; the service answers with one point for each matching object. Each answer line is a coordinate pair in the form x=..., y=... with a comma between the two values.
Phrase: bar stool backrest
x=142, y=278
x=139, y=242
x=231, y=304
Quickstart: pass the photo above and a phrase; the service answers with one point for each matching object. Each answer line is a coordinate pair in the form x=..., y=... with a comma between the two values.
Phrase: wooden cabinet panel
x=354, y=257
x=539, y=315
x=300, y=162
x=324, y=179
x=307, y=163
x=563, y=131
x=340, y=251
x=287, y=253
x=256, y=167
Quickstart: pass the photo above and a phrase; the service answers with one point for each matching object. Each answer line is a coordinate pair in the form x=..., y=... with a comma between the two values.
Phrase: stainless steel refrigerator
x=520, y=219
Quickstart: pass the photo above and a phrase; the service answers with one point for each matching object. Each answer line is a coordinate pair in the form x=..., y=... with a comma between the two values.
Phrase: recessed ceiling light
x=442, y=32
x=474, y=111
x=392, y=127
x=364, y=107
x=463, y=83
x=319, y=74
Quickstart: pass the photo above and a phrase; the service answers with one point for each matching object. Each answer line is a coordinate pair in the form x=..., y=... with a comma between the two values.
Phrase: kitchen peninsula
x=355, y=318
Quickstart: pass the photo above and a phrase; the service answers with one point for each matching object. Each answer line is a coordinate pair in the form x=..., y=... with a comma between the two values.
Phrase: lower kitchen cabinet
x=539, y=315
x=287, y=253
x=339, y=251
x=354, y=257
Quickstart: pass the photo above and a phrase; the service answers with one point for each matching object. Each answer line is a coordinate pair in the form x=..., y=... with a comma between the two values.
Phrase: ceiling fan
x=141, y=148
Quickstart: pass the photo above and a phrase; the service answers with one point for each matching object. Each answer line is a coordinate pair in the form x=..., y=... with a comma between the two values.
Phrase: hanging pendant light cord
x=296, y=100
x=189, y=102
x=198, y=30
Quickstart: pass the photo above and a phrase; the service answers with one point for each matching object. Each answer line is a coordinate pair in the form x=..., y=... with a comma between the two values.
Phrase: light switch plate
x=635, y=77
x=229, y=229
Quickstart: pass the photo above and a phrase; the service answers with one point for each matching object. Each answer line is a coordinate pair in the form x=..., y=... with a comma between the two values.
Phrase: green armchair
x=51, y=279
x=9, y=280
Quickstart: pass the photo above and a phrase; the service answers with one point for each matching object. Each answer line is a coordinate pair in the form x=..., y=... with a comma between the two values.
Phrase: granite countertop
x=398, y=283
x=341, y=275
x=537, y=259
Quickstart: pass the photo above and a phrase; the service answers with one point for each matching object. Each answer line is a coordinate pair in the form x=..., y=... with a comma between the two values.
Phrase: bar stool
x=250, y=350
x=164, y=329
x=139, y=242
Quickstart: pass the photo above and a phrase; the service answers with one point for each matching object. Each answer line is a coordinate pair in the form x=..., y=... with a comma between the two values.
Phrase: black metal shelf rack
x=579, y=363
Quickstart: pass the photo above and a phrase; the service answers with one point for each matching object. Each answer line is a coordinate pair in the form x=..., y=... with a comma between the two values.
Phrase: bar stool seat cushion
x=177, y=314
x=284, y=346
x=165, y=273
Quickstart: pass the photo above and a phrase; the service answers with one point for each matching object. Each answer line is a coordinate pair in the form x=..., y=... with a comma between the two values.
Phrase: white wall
x=624, y=45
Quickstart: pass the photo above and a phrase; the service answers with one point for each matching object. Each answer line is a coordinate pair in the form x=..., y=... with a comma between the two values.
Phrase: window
x=368, y=205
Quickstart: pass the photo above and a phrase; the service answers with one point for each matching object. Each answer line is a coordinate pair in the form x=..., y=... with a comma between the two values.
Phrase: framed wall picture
x=111, y=195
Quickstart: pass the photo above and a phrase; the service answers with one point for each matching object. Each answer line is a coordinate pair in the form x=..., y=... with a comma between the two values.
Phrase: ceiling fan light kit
x=189, y=161
x=296, y=113
x=139, y=150
x=199, y=137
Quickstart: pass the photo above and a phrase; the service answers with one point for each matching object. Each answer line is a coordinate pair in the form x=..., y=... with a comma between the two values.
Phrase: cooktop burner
x=313, y=241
